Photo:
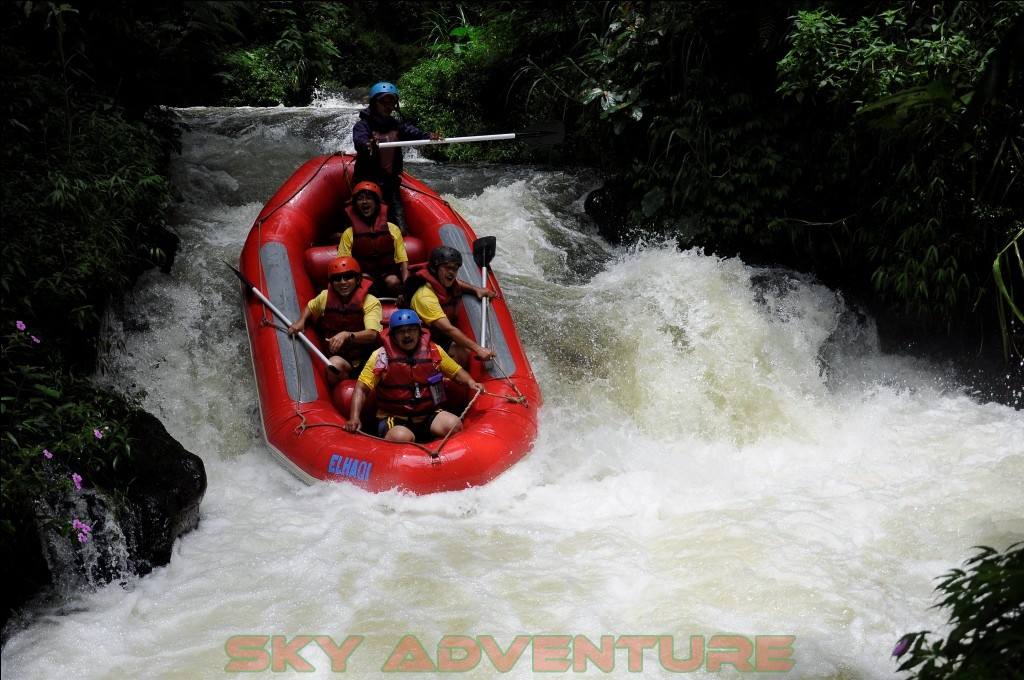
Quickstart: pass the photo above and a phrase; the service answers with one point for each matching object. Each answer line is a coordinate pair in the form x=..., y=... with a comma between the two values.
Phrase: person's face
x=406, y=337
x=366, y=204
x=345, y=283
x=447, y=272
x=385, y=104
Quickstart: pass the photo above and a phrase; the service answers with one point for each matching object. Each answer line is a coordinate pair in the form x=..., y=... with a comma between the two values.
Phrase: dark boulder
x=162, y=489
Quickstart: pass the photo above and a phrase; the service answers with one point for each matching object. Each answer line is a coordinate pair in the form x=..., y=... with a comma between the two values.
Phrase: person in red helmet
x=408, y=374
x=375, y=243
x=381, y=121
x=347, y=317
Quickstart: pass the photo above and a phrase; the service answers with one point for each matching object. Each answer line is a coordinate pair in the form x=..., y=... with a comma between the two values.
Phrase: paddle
x=483, y=253
x=277, y=312
x=551, y=132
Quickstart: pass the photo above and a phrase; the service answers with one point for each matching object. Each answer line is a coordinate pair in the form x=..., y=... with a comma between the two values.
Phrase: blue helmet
x=381, y=89
x=404, y=317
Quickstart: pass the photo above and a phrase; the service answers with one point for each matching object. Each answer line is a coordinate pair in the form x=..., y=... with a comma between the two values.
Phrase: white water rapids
x=723, y=451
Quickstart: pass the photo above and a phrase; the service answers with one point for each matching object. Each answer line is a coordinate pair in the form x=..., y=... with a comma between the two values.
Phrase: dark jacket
x=368, y=167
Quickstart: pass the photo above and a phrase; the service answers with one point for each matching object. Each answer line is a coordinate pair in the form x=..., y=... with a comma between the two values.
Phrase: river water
x=723, y=450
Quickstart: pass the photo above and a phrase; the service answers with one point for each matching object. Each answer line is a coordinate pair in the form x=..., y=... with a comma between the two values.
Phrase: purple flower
x=20, y=325
x=36, y=340
x=77, y=479
x=96, y=433
x=82, y=528
x=47, y=454
x=902, y=645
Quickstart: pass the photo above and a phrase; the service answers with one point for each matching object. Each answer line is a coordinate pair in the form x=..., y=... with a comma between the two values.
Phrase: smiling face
x=345, y=284
x=447, y=272
x=366, y=205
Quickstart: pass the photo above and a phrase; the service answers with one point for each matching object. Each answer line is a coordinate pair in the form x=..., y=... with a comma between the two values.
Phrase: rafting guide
x=547, y=653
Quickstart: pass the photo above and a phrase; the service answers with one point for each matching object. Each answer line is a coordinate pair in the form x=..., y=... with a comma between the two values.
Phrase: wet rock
x=163, y=488
x=135, y=514
x=607, y=206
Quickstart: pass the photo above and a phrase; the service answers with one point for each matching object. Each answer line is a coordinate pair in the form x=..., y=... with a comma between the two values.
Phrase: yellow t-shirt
x=345, y=247
x=372, y=312
x=425, y=303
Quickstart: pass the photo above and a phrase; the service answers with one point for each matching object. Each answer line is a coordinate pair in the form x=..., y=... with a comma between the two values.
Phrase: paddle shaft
x=450, y=140
x=284, y=319
x=483, y=313
x=551, y=132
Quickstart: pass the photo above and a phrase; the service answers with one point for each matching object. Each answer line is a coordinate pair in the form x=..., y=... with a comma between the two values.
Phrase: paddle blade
x=483, y=250
x=551, y=132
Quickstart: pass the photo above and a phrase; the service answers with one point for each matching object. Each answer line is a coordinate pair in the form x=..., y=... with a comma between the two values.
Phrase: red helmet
x=368, y=186
x=341, y=265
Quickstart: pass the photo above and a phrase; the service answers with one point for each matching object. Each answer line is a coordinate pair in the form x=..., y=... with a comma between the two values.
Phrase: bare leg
x=400, y=433
x=445, y=422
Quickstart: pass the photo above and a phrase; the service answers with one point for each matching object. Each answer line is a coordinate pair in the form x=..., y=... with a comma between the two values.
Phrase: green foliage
x=1005, y=286
x=455, y=35
x=699, y=148
x=371, y=56
x=47, y=410
x=285, y=69
x=253, y=77
x=875, y=57
x=866, y=156
x=378, y=41
x=84, y=210
x=428, y=89
x=84, y=194
x=454, y=90
x=472, y=82
x=986, y=612
x=919, y=174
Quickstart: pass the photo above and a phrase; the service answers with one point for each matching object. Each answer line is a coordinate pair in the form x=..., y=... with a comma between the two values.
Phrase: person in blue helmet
x=407, y=373
x=381, y=121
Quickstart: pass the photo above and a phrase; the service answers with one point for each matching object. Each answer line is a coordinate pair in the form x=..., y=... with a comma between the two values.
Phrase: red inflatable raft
x=285, y=259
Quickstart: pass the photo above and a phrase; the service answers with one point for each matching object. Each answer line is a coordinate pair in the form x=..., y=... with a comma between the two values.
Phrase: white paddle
x=280, y=315
x=552, y=132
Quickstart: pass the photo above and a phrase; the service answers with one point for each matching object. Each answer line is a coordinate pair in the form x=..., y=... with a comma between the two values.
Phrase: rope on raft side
x=449, y=434
x=520, y=399
x=433, y=453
